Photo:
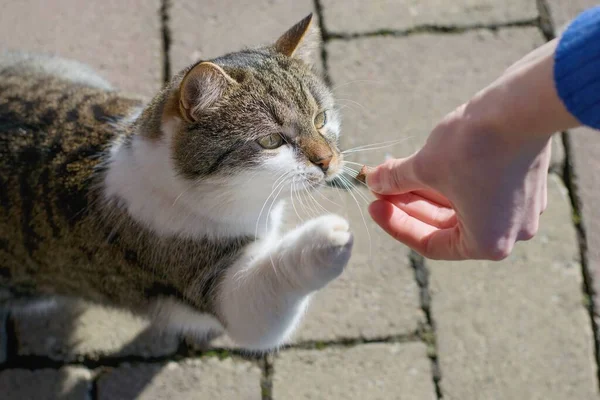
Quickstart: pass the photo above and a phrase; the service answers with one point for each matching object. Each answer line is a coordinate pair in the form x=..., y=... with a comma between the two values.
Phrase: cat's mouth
x=333, y=175
x=342, y=178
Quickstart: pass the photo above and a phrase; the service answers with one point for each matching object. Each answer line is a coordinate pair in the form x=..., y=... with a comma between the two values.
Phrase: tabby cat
x=169, y=208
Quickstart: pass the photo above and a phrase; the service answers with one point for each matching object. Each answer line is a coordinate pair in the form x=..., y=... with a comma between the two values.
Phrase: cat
x=169, y=209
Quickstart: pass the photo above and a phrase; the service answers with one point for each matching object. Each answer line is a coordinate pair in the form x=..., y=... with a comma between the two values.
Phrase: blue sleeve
x=577, y=68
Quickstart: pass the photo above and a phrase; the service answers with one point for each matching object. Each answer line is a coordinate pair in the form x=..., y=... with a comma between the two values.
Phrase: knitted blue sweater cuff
x=577, y=68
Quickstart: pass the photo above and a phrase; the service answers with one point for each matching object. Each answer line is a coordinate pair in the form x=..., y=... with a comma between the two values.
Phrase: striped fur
x=137, y=205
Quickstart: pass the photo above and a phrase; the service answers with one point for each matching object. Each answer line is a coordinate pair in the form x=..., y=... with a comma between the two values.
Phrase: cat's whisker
x=379, y=143
x=301, y=201
x=355, y=163
x=344, y=106
x=268, y=218
x=375, y=146
x=267, y=200
x=339, y=191
x=340, y=107
x=356, y=81
x=351, y=186
x=282, y=186
x=325, y=197
x=353, y=102
x=315, y=200
x=354, y=172
x=350, y=171
x=314, y=212
x=297, y=193
x=292, y=198
x=281, y=177
x=362, y=215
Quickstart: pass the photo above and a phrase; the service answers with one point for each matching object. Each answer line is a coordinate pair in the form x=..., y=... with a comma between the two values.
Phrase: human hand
x=467, y=194
x=479, y=183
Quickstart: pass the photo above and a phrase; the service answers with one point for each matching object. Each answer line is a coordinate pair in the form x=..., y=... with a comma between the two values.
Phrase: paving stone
x=370, y=371
x=586, y=163
x=120, y=39
x=562, y=12
x=557, y=159
x=363, y=16
x=208, y=378
x=377, y=294
x=517, y=329
x=586, y=154
x=399, y=88
x=207, y=29
x=79, y=329
x=67, y=383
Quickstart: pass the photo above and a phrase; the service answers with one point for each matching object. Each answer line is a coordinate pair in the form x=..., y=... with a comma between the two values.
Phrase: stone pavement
x=394, y=326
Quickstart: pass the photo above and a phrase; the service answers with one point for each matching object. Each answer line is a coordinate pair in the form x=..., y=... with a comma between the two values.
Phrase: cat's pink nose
x=324, y=162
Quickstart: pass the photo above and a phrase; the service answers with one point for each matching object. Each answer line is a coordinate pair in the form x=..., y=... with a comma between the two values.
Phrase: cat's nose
x=323, y=162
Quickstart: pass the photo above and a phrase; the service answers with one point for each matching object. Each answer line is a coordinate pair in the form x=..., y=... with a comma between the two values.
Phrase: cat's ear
x=200, y=88
x=300, y=40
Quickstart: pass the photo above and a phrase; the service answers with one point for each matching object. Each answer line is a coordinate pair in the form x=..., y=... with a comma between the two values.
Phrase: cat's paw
x=325, y=245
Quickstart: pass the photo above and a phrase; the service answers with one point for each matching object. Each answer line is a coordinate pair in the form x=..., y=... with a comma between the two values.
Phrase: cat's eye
x=321, y=119
x=272, y=141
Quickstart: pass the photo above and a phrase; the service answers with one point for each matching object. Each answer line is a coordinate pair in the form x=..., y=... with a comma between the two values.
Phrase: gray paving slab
x=557, y=159
x=517, y=329
x=121, y=39
x=586, y=164
x=208, y=378
x=78, y=330
x=371, y=371
x=562, y=12
x=366, y=16
x=399, y=88
x=207, y=29
x=67, y=383
x=586, y=155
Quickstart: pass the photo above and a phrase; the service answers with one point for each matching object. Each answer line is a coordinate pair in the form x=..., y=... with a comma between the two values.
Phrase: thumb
x=394, y=176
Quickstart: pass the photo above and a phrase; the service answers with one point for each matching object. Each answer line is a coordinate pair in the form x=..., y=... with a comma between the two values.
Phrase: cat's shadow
x=122, y=353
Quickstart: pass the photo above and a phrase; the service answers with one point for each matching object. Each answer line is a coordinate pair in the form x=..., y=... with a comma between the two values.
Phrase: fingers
x=426, y=239
x=423, y=209
x=394, y=177
x=435, y=197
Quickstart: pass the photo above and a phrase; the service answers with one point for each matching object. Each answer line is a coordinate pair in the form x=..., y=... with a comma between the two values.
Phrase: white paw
x=324, y=246
x=325, y=231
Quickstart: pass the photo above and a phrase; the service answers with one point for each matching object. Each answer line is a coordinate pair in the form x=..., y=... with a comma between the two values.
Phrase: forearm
x=553, y=88
x=523, y=102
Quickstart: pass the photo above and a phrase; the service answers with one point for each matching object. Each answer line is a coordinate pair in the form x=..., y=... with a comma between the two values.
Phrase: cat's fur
x=166, y=208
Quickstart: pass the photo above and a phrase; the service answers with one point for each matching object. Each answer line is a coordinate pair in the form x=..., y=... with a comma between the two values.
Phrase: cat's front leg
x=263, y=296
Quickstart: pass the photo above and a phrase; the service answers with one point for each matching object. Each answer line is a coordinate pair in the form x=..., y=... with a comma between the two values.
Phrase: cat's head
x=263, y=112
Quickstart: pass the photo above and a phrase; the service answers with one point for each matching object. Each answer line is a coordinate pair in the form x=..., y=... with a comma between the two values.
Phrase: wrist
x=522, y=105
